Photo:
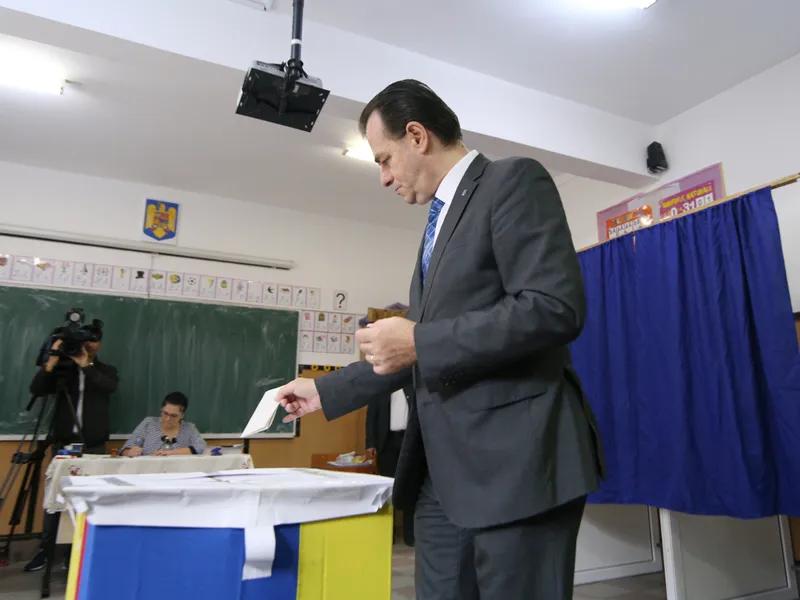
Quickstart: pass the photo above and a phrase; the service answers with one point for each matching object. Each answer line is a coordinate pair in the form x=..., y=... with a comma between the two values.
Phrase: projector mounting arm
x=294, y=66
x=283, y=93
x=295, y=63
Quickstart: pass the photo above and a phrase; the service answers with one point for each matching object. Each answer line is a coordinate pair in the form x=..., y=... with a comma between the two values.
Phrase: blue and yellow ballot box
x=276, y=534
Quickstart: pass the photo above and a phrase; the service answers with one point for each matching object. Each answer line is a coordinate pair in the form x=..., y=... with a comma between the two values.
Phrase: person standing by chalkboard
x=386, y=427
x=89, y=383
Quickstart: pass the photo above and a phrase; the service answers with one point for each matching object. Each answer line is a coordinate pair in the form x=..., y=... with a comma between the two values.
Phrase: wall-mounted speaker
x=656, y=160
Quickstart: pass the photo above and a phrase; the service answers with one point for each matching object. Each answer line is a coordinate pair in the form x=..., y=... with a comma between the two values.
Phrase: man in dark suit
x=502, y=447
x=88, y=383
x=386, y=427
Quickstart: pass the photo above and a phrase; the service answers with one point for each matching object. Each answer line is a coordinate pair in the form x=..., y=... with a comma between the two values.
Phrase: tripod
x=29, y=489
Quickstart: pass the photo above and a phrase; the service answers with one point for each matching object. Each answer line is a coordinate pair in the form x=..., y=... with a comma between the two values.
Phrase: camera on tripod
x=73, y=335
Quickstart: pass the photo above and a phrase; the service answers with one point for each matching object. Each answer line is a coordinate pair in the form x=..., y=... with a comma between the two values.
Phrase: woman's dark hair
x=410, y=100
x=176, y=399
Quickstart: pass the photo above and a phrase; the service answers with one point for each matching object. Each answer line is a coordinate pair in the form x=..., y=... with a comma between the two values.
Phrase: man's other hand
x=82, y=360
x=299, y=398
x=173, y=452
x=388, y=345
x=53, y=360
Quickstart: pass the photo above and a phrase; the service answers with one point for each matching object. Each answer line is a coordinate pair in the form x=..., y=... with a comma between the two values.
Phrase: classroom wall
x=372, y=263
x=753, y=130
x=583, y=199
x=69, y=202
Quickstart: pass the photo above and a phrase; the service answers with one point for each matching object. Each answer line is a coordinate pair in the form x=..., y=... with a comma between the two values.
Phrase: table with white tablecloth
x=88, y=465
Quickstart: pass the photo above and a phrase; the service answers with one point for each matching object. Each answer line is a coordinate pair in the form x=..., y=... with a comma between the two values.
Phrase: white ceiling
x=646, y=65
x=139, y=114
x=162, y=119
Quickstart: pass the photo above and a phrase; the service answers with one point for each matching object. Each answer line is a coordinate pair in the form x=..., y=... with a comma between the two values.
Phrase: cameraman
x=89, y=384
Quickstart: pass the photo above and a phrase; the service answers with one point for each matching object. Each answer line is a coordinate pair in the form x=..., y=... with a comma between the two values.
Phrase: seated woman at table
x=167, y=435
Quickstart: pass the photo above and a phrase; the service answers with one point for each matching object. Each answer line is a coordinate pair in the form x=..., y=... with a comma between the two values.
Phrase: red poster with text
x=628, y=222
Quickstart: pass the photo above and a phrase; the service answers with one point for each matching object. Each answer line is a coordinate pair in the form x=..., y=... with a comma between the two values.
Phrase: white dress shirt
x=398, y=412
x=449, y=186
x=398, y=419
x=79, y=409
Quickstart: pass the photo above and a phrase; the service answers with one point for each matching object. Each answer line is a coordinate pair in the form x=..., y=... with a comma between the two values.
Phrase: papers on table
x=264, y=414
x=339, y=463
x=349, y=460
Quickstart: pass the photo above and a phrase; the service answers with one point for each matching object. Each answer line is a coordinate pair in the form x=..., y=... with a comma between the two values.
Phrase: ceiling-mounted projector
x=284, y=93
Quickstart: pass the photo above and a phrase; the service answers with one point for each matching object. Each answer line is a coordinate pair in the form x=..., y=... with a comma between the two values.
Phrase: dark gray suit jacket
x=498, y=417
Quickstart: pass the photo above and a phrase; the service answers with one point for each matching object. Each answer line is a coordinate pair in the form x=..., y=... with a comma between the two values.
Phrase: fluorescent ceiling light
x=360, y=153
x=263, y=5
x=618, y=4
x=26, y=73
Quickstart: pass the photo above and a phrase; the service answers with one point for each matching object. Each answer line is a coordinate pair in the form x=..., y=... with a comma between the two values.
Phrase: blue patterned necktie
x=430, y=234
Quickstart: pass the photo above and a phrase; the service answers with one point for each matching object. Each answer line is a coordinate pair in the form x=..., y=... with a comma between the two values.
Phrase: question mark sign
x=340, y=297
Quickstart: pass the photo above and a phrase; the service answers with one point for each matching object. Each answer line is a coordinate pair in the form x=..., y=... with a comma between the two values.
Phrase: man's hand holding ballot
x=388, y=345
x=299, y=397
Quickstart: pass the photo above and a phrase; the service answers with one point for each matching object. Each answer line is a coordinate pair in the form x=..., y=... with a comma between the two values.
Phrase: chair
x=321, y=461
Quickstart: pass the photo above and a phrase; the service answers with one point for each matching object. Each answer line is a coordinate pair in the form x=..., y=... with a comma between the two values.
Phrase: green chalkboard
x=222, y=357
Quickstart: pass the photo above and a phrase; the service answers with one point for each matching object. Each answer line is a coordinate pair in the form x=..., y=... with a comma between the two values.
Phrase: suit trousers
x=388, y=457
x=532, y=559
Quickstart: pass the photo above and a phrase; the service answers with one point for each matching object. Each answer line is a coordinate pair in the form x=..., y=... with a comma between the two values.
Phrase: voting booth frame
x=338, y=559
x=704, y=557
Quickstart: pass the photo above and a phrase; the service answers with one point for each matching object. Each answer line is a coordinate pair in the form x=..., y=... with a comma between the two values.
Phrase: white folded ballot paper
x=263, y=415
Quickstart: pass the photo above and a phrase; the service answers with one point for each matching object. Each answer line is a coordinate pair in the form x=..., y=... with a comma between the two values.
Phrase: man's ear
x=418, y=136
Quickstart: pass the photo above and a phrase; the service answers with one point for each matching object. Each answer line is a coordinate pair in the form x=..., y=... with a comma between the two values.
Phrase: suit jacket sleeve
x=102, y=378
x=373, y=413
x=138, y=434
x=543, y=306
x=355, y=386
x=196, y=442
x=43, y=383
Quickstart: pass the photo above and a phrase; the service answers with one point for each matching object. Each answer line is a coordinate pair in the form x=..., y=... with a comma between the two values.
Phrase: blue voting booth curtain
x=690, y=359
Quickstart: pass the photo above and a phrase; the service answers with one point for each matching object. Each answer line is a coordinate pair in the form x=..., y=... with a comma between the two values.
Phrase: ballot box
x=90, y=464
x=293, y=534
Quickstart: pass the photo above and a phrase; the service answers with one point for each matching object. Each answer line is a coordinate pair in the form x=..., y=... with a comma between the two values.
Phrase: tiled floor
x=646, y=587
x=17, y=585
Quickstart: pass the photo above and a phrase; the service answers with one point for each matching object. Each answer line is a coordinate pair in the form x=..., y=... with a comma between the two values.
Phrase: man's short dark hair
x=176, y=399
x=410, y=100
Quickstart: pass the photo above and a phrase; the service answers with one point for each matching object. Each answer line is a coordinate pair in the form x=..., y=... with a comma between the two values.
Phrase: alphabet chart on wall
x=328, y=332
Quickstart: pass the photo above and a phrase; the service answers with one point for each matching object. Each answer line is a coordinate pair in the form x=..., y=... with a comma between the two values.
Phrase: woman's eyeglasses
x=170, y=415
